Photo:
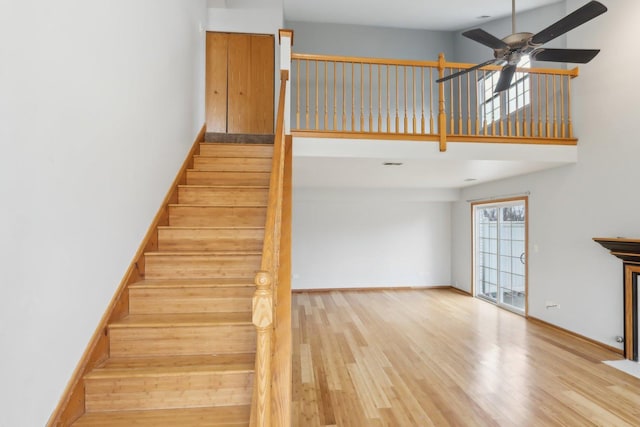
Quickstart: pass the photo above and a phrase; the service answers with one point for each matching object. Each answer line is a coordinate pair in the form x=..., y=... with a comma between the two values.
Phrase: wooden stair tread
x=206, y=228
x=232, y=157
x=225, y=187
x=222, y=282
x=172, y=365
x=195, y=169
x=240, y=144
x=222, y=416
x=181, y=320
x=183, y=205
x=204, y=253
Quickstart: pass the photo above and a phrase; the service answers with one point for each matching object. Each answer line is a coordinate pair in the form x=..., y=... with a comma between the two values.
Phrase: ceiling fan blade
x=481, y=36
x=569, y=22
x=575, y=56
x=505, y=78
x=465, y=71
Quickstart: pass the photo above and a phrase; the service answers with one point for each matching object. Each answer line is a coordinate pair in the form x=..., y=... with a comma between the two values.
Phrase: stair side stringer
x=72, y=404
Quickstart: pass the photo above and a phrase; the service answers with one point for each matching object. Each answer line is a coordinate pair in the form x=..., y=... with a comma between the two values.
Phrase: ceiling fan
x=510, y=49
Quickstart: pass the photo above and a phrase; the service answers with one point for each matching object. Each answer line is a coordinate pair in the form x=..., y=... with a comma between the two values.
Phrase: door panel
x=261, y=81
x=239, y=102
x=216, y=82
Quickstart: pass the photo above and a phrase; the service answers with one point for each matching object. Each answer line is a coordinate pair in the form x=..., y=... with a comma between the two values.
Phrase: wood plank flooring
x=440, y=358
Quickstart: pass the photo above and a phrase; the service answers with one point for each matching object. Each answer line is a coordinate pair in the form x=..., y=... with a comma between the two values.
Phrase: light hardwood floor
x=440, y=358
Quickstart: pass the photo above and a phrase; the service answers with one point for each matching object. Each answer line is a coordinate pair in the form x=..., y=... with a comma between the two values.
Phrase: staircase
x=185, y=353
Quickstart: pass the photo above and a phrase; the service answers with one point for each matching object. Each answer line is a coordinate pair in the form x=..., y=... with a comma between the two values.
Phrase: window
x=518, y=95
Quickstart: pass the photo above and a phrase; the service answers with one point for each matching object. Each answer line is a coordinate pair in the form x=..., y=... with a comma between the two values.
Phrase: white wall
x=369, y=238
x=246, y=16
x=570, y=205
x=367, y=41
x=100, y=102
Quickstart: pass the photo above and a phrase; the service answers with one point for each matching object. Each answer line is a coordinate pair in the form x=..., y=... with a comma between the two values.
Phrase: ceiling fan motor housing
x=519, y=45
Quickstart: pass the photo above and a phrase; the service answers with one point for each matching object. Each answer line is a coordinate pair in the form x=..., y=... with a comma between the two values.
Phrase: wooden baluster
x=422, y=122
x=353, y=97
x=442, y=117
x=508, y=109
x=361, y=97
x=495, y=128
x=555, y=108
x=431, y=127
x=388, y=103
x=406, y=119
x=503, y=111
x=413, y=91
x=531, y=106
x=539, y=107
x=562, y=121
x=344, y=97
x=459, y=106
x=370, y=97
x=484, y=119
x=306, y=122
x=524, y=104
x=335, y=98
x=570, y=124
x=477, y=103
x=517, y=116
x=326, y=97
x=298, y=95
x=469, y=104
x=546, y=94
x=452, y=116
x=397, y=130
x=263, y=320
x=379, y=97
x=317, y=98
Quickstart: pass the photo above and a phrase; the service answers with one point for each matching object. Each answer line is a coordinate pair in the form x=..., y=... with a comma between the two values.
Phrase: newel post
x=286, y=42
x=442, y=118
x=263, y=321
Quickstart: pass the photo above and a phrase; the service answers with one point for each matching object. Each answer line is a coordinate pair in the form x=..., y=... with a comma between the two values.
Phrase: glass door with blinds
x=499, y=253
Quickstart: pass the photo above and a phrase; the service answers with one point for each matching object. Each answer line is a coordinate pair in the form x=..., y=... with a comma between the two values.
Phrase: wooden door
x=216, y=82
x=246, y=103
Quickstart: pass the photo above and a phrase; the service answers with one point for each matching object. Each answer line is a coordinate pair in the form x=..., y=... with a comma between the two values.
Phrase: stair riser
x=196, y=177
x=236, y=150
x=223, y=197
x=182, y=340
x=168, y=392
x=194, y=239
x=190, y=300
x=213, y=216
x=168, y=266
x=232, y=164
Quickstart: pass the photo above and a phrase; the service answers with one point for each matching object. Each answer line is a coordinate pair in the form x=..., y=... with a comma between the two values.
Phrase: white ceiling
x=327, y=163
x=447, y=15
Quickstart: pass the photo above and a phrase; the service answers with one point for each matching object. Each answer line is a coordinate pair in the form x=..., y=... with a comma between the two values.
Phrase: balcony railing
x=350, y=97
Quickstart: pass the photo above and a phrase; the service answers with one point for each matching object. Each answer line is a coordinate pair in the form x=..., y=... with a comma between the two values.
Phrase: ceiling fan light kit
x=509, y=50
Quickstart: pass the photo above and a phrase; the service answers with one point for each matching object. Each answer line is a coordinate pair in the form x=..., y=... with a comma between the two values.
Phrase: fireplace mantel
x=628, y=250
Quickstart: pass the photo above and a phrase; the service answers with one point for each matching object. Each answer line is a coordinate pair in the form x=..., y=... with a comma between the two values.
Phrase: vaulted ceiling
x=446, y=15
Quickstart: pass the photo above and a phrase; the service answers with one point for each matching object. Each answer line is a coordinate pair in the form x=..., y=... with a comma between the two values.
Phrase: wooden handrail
x=265, y=297
x=348, y=93
x=574, y=72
